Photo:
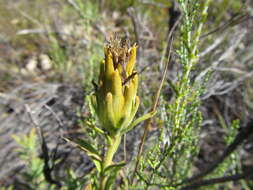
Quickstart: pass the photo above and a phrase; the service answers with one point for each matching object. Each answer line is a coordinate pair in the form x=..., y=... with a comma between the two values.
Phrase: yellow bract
x=115, y=101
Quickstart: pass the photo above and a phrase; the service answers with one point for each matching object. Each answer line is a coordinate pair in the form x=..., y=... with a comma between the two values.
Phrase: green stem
x=113, y=145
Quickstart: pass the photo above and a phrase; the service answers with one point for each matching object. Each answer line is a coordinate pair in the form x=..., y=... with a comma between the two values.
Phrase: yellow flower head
x=115, y=101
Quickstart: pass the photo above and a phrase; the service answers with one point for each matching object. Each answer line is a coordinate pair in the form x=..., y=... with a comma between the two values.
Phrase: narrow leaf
x=94, y=127
x=137, y=121
x=113, y=168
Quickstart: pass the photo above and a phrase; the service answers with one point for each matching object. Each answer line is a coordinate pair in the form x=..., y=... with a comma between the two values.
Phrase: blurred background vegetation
x=50, y=52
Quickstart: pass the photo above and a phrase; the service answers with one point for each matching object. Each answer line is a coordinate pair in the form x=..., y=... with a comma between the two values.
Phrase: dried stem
x=242, y=136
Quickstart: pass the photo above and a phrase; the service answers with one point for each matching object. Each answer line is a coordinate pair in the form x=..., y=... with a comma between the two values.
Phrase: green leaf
x=137, y=121
x=90, y=125
x=90, y=151
x=173, y=87
x=92, y=104
x=113, y=168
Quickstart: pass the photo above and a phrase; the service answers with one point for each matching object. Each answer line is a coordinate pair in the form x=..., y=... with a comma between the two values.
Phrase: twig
x=55, y=115
x=221, y=88
x=172, y=27
x=34, y=121
x=235, y=84
x=31, y=31
x=231, y=70
x=159, y=5
x=213, y=46
x=235, y=20
x=47, y=170
x=44, y=31
x=147, y=122
x=75, y=6
x=27, y=16
x=234, y=43
x=241, y=136
x=212, y=181
x=244, y=175
x=130, y=11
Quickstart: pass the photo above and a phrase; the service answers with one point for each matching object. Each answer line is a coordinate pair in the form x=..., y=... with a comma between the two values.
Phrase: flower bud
x=115, y=101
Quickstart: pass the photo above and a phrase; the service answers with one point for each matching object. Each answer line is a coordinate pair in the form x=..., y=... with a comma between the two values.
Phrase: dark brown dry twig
x=47, y=170
x=241, y=136
x=247, y=174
